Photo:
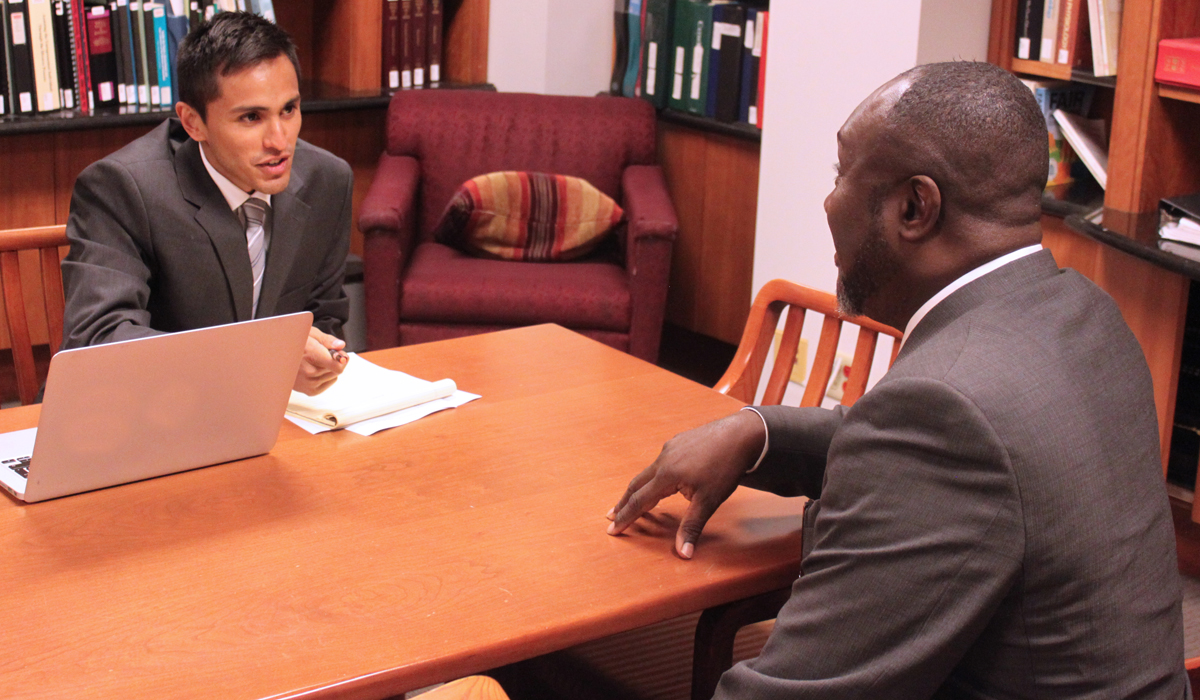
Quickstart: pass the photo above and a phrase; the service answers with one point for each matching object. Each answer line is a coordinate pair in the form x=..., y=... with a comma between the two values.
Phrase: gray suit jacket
x=156, y=248
x=992, y=520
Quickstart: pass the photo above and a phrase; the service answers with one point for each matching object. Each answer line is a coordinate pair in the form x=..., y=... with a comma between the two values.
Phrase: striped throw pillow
x=527, y=216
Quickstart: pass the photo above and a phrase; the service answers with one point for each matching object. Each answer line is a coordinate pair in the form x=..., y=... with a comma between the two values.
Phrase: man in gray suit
x=219, y=216
x=992, y=521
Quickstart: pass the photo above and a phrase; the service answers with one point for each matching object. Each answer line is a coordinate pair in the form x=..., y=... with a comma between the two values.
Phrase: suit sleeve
x=328, y=304
x=797, y=446
x=917, y=540
x=106, y=274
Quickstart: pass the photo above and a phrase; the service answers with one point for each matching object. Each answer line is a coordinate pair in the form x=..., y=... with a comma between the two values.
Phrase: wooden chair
x=718, y=626
x=469, y=688
x=46, y=240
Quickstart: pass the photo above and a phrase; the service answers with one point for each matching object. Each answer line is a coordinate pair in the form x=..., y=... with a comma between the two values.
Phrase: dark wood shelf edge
x=737, y=130
x=1143, y=251
x=322, y=99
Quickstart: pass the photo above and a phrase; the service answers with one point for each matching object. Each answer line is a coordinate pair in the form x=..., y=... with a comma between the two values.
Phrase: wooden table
x=355, y=567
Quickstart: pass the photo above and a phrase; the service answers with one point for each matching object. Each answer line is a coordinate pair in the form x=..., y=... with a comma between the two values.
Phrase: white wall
x=823, y=59
x=557, y=47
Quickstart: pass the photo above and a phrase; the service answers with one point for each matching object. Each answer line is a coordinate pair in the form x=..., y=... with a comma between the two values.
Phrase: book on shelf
x=1051, y=14
x=620, y=46
x=80, y=58
x=630, y=82
x=149, y=35
x=725, y=64
x=433, y=43
x=5, y=99
x=1104, y=21
x=45, y=55
x=1054, y=95
x=748, y=88
x=162, y=59
x=701, y=59
x=682, y=27
x=62, y=53
x=656, y=52
x=1179, y=219
x=390, y=47
x=1178, y=62
x=118, y=15
x=1074, y=45
x=101, y=57
x=764, y=26
x=1087, y=138
x=20, y=55
x=1029, y=29
x=177, y=29
x=420, y=21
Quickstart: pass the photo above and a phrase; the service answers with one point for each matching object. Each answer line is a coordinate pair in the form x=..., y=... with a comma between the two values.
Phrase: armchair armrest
x=387, y=219
x=652, y=228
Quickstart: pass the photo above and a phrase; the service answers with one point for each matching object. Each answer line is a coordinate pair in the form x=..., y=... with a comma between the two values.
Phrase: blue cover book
x=163, y=58
x=749, y=66
x=630, y=87
x=177, y=29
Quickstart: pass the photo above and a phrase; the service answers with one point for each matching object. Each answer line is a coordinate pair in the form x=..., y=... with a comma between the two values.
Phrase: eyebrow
x=256, y=108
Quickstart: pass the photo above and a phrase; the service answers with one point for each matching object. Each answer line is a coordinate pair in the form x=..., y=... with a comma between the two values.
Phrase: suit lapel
x=289, y=215
x=220, y=223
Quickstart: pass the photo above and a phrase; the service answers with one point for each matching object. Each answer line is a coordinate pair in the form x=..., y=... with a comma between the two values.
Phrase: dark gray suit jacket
x=156, y=248
x=992, y=520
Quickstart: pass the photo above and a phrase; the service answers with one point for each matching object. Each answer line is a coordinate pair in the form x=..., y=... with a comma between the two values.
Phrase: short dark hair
x=978, y=132
x=227, y=43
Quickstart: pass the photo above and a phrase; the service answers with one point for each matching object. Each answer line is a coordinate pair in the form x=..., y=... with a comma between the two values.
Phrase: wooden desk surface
x=357, y=567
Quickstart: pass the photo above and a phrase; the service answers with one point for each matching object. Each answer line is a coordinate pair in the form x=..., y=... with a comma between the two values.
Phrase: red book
x=764, y=17
x=83, y=71
x=391, y=45
x=406, y=43
x=1179, y=62
x=435, y=42
x=420, y=35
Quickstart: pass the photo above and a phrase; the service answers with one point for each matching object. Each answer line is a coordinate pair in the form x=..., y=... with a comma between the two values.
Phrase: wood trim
x=1177, y=93
x=350, y=52
x=465, y=41
x=1003, y=36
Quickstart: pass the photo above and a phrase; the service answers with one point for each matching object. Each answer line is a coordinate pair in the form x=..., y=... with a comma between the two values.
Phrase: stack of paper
x=368, y=398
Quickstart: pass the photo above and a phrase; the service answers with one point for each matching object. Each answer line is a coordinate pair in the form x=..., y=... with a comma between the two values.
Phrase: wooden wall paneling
x=1069, y=248
x=348, y=49
x=682, y=154
x=356, y=136
x=1137, y=114
x=296, y=17
x=465, y=41
x=730, y=212
x=1002, y=39
x=27, y=171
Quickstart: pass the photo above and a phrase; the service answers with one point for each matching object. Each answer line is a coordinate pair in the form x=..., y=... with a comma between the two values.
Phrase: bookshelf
x=339, y=44
x=1154, y=152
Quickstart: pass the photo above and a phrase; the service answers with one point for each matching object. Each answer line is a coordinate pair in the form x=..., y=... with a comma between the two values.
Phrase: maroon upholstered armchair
x=418, y=290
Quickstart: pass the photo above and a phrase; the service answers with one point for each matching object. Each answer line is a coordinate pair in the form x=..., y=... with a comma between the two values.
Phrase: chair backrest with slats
x=46, y=240
x=742, y=378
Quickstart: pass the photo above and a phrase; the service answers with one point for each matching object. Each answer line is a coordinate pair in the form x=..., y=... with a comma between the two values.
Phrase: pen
x=338, y=355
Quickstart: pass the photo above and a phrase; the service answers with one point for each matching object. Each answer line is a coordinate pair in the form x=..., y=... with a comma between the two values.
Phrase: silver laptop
x=142, y=408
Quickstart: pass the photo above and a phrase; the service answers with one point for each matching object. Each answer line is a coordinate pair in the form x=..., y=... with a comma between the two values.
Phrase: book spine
x=100, y=51
x=1111, y=11
x=765, y=25
x=45, y=59
x=128, y=47
x=1069, y=34
x=701, y=36
x=118, y=34
x=656, y=82
x=434, y=43
x=749, y=83
x=406, y=43
x=1050, y=19
x=620, y=45
x=391, y=45
x=5, y=96
x=162, y=57
x=633, y=59
x=420, y=26
x=137, y=24
x=195, y=13
x=725, y=87
x=83, y=69
x=1178, y=63
x=151, y=55
x=21, y=55
x=62, y=52
x=177, y=29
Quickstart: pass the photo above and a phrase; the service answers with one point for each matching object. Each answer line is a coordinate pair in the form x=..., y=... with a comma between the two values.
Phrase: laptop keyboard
x=19, y=465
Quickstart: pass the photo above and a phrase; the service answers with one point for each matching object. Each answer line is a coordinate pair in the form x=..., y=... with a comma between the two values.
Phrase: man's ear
x=192, y=122
x=922, y=208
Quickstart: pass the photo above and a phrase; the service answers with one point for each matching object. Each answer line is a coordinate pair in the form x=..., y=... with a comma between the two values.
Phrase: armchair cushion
x=585, y=294
x=516, y=215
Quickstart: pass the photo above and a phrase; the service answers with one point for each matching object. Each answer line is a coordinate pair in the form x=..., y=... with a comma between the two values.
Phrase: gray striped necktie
x=255, y=211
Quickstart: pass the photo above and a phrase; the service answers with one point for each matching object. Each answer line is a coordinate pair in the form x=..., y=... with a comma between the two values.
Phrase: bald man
x=990, y=520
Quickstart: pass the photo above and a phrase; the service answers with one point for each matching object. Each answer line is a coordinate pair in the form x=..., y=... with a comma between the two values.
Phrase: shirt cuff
x=766, y=438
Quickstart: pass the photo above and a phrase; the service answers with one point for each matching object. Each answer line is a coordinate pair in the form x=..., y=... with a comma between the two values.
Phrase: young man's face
x=250, y=131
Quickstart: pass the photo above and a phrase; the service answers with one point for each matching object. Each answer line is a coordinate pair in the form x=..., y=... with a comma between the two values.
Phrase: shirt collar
x=232, y=193
x=962, y=282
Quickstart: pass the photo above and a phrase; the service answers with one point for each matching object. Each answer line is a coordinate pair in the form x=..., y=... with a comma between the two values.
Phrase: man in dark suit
x=991, y=521
x=221, y=215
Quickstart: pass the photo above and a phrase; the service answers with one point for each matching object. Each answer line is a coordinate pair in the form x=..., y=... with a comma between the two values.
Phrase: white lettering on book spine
x=1023, y=48
x=26, y=101
x=435, y=73
x=758, y=39
x=652, y=67
x=18, y=28
x=393, y=79
x=750, y=36
x=106, y=91
x=721, y=29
